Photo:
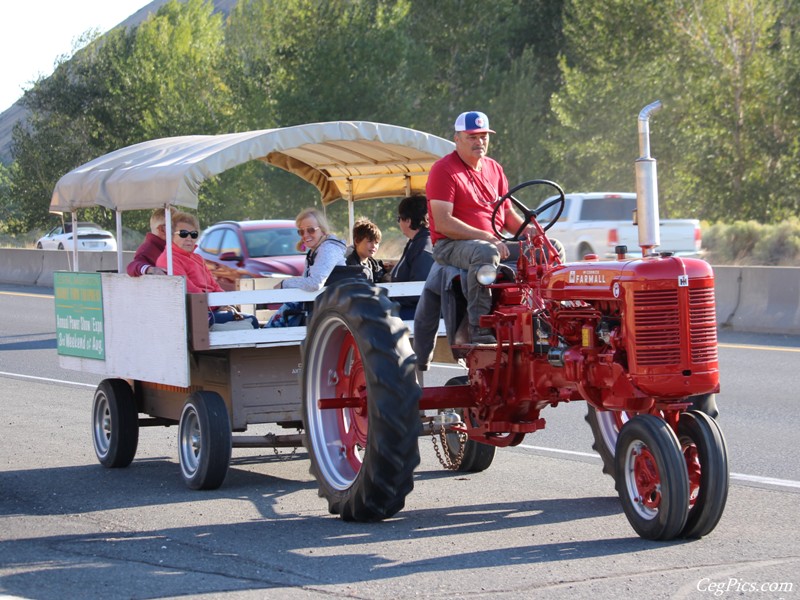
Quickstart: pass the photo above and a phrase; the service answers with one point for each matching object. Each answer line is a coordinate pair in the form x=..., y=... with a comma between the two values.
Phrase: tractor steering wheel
x=528, y=215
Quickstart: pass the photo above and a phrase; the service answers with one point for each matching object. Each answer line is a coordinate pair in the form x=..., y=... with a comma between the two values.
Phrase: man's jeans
x=470, y=255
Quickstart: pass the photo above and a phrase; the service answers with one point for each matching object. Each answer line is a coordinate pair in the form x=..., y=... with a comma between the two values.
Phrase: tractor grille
x=703, y=325
x=658, y=327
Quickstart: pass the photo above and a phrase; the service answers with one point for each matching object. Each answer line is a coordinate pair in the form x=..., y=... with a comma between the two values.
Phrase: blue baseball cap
x=473, y=122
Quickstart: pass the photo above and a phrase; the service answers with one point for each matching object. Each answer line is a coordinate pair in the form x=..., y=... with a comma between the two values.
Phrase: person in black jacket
x=417, y=258
x=366, y=241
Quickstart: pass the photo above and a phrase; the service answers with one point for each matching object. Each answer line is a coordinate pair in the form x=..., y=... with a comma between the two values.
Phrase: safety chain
x=291, y=454
x=446, y=461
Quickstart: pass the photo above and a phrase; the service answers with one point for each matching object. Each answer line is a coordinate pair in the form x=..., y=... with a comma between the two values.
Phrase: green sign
x=79, y=314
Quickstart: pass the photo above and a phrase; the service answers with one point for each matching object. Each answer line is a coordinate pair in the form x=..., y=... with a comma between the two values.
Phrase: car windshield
x=279, y=241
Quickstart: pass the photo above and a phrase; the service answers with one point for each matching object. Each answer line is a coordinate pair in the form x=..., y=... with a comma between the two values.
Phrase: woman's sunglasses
x=184, y=234
x=307, y=230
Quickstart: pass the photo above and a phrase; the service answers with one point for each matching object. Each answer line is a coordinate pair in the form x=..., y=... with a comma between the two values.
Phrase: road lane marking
x=46, y=379
x=26, y=294
x=749, y=347
x=742, y=477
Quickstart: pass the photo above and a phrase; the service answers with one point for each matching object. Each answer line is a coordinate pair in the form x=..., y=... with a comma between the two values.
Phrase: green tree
x=159, y=79
x=727, y=138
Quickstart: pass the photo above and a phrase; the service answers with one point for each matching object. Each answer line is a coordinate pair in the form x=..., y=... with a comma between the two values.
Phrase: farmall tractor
x=634, y=337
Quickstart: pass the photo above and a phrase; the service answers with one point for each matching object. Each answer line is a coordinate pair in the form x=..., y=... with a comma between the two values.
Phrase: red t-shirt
x=472, y=193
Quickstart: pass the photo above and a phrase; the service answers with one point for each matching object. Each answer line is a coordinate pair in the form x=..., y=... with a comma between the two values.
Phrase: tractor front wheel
x=652, y=480
x=706, y=456
x=363, y=455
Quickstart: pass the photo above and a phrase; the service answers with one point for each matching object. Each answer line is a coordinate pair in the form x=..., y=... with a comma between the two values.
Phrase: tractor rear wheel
x=652, y=480
x=477, y=457
x=363, y=455
x=706, y=457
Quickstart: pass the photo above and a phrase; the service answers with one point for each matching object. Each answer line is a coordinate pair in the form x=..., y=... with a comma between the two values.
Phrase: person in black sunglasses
x=185, y=230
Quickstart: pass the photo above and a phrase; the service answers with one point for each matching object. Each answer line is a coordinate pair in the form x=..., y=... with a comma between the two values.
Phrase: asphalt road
x=542, y=522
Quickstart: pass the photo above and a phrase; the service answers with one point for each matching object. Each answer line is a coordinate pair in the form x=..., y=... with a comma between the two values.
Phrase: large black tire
x=204, y=441
x=477, y=457
x=652, y=481
x=363, y=457
x=605, y=427
x=706, y=457
x=115, y=423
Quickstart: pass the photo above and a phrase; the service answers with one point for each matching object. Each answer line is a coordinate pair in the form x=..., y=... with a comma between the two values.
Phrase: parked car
x=234, y=250
x=596, y=223
x=91, y=237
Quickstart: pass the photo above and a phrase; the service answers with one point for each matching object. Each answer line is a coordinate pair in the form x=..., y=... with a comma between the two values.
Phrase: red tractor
x=633, y=337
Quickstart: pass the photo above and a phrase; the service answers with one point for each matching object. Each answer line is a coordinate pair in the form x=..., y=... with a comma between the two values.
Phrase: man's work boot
x=481, y=335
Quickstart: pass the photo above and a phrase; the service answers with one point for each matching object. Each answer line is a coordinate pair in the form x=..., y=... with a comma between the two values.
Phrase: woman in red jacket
x=185, y=230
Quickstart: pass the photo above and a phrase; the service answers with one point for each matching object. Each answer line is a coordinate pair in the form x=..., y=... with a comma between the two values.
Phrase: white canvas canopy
x=354, y=160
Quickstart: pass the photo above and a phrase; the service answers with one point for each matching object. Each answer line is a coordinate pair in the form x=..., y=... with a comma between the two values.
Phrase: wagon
x=163, y=366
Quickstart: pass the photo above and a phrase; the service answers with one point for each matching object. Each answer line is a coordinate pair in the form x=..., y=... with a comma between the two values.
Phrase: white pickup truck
x=595, y=223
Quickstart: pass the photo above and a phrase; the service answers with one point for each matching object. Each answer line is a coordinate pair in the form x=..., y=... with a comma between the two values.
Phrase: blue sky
x=34, y=33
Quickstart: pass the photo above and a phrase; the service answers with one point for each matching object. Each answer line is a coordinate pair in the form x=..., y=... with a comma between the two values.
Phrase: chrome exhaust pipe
x=647, y=185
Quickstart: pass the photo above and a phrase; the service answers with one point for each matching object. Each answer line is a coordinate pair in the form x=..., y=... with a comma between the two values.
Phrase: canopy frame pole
x=168, y=226
x=408, y=184
x=118, y=217
x=74, y=216
x=351, y=211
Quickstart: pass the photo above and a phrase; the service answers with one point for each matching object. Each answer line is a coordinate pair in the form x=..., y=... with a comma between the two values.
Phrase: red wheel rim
x=693, y=469
x=351, y=383
x=647, y=478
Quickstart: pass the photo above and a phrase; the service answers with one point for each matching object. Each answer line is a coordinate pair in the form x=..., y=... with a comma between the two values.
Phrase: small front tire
x=652, y=481
x=706, y=457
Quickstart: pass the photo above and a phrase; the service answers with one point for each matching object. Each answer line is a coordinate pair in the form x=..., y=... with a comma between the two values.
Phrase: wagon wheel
x=363, y=456
x=115, y=423
x=605, y=426
x=204, y=441
x=477, y=457
x=706, y=457
x=651, y=478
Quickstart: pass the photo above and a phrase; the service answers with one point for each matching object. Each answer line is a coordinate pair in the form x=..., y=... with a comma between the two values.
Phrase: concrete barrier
x=770, y=301
x=36, y=267
x=754, y=299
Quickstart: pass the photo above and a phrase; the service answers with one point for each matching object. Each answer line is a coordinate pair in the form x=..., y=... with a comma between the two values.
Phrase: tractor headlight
x=487, y=274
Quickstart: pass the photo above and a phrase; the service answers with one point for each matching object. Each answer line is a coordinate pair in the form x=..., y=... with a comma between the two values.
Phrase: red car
x=234, y=250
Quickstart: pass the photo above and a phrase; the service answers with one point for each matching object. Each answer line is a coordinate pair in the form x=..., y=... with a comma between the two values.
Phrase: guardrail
x=751, y=299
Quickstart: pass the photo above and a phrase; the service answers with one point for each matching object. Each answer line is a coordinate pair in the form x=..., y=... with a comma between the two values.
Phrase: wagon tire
x=39, y=246
x=204, y=441
x=60, y=246
x=115, y=423
x=362, y=457
x=477, y=457
x=705, y=451
x=652, y=480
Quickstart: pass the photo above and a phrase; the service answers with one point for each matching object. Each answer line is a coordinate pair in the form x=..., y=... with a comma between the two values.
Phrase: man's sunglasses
x=184, y=234
x=307, y=230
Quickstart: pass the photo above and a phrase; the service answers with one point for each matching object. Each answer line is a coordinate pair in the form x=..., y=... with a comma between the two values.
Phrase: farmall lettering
x=588, y=276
